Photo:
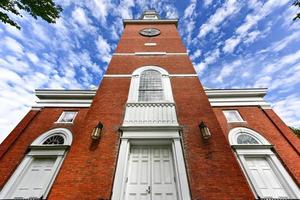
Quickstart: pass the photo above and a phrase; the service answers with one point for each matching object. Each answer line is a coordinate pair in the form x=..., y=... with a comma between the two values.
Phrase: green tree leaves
x=46, y=9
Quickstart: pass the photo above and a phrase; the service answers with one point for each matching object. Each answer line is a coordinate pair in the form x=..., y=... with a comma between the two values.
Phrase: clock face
x=150, y=32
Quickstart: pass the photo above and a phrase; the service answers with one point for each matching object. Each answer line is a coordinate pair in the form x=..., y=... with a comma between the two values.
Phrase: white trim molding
x=263, y=152
x=237, y=97
x=217, y=97
x=235, y=132
x=149, y=53
x=130, y=75
x=64, y=98
x=65, y=133
x=150, y=44
x=144, y=21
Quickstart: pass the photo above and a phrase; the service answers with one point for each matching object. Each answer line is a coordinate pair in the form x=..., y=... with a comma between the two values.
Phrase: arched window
x=264, y=171
x=150, y=84
x=34, y=176
x=150, y=88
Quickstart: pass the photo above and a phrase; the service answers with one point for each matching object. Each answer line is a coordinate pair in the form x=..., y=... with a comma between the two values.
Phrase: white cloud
x=252, y=36
x=229, y=8
x=13, y=45
x=189, y=21
x=196, y=54
x=227, y=70
x=103, y=49
x=32, y=57
x=251, y=20
x=125, y=9
x=14, y=31
x=283, y=43
x=14, y=63
x=263, y=82
x=207, y=3
x=171, y=12
x=210, y=58
x=287, y=109
x=199, y=67
x=188, y=12
x=284, y=83
x=40, y=32
x=100, y=9
x=230, y=44
x=284, y=61
x=80, y=17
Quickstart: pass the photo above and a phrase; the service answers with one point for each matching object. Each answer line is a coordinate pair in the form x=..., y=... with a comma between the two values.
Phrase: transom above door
x=150, y=174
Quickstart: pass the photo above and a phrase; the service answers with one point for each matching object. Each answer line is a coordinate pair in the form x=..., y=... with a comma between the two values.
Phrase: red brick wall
x=287, y=145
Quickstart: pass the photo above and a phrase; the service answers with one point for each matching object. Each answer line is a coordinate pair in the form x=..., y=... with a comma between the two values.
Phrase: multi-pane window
x=233, y=116
x=246, y=139
x=150, y=88
x=67, y=117
x=54, y=140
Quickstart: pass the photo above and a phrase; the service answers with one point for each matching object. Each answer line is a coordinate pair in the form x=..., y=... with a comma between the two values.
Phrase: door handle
x=148, y=190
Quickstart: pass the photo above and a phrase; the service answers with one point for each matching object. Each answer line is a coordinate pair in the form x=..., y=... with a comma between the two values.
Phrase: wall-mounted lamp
x=96, y=134
x=204, y=131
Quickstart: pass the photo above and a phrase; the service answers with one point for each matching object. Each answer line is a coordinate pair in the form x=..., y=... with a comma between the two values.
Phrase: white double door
x=33, y=181
x=267, y=182
x=150, y=174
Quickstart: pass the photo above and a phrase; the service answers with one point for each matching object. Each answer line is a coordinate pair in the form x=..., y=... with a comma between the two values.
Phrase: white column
x=120, y=176
x=182, y=176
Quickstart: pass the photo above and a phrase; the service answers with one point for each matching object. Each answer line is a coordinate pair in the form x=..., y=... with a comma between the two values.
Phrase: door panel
x=264, y=177
x=163, y=184
x=138, y=174
x=150, y=174
x=35, y=178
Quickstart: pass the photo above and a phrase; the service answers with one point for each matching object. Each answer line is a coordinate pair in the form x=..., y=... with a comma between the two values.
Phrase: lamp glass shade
x=96, y=134
x=204, y=131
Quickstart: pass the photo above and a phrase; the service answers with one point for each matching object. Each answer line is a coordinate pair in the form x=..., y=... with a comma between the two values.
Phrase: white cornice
x=217, y=97
x=257, y=92
x=117, y=76
x=154, y=53
x=143, y=21
x=65, y=94
x=64, y=98
x=237, y=97
x=130, y=75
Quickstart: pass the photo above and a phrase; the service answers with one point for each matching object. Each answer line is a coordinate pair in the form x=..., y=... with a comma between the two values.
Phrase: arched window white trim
x=235, y=133
x=65, y=133
x=35, y=175
x=264, y=171
x=135, y=84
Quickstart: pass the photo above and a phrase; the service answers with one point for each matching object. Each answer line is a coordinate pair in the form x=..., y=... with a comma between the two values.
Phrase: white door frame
x=162, y=137
x=285, y=179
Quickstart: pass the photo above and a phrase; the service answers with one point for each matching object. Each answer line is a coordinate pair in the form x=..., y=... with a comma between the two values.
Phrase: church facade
x=150, y=131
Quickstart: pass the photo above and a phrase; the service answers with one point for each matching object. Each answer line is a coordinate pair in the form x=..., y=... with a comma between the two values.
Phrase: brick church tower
x=150, y=131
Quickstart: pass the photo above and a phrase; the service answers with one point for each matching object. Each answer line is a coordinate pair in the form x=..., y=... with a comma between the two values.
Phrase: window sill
x=63, y=122
x=233, y=122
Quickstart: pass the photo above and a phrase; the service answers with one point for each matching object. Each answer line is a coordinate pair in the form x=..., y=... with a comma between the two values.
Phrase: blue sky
x=233, y=44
